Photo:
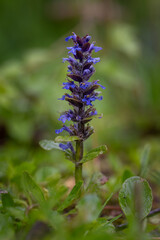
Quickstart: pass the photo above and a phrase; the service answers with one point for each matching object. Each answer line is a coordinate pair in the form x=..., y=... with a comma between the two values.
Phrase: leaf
x=115, y=218
x=7, y=200
x=145, y=161
x=49, y=145
x=135, y=197
x=94, y=153
x=155, y=175
x=66, y=138
x=105, y=203
x=31, y=188
x=17, y=213
x=126, y=174
x=74, y=194
x=89, y=207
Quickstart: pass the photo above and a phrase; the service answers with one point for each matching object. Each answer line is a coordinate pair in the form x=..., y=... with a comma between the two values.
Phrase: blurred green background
x=32, y=45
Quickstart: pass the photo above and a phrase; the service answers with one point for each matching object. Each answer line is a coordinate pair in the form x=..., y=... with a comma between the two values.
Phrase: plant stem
x=79, y=149
x=78, y=166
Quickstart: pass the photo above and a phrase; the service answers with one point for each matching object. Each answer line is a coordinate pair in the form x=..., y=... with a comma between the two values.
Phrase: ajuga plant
x=81, y=93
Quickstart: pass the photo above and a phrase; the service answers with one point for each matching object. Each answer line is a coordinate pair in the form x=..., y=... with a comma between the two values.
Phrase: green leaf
x=31, y=188
x=17, y=213
x=66, y=138
x=126, y=174
x=105, y=203
x=89, y=207
x=74, y=194
x=94, y=153
x=49, y=145
x=145, y=161
x=115, y=218
x=7, y=200
x=135, y=197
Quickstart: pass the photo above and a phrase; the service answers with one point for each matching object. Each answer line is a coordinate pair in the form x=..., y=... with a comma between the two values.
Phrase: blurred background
x=32, y=45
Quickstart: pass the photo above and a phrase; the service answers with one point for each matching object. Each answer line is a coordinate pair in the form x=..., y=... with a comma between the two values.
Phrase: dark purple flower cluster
x=82, y=92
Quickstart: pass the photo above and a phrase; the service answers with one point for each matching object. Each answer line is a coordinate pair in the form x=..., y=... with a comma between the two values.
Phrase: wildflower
x=82, y=91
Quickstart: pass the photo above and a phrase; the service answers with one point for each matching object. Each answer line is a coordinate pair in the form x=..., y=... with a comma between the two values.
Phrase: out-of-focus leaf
x=74, y=194
x=126, y=174
x=46, y=173
x=105, y=203
x=94, y=153
x=89, y=207
x=155, y=175
x=101, y=225
x=123, y=38
x=135, y=197
x=49, y=145
x=17, y=213
x=31, y=187
x=115, y=218
x=144, y=161
x=66, y=138
x=7, y=200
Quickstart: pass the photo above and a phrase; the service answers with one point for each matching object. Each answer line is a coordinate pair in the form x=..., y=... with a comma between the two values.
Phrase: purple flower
x=88, y=100
x=74, y=36
x=67, y=146
x=66, y=116
x=67, y=85
x=73, y=49
x=82, y=91
x=64, y=128
x=92, y=47
x=93, y=60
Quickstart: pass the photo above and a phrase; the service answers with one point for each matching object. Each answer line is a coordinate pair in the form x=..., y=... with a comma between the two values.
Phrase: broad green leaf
x=7, y=200
x=74, y=194
x=66, y=138
x=49, y=145
x=31, y=188
x=135, y=197
x=94, y=153
x=145, y=161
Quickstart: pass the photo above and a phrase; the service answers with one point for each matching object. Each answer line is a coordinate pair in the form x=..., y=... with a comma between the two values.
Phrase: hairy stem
x=78, y=165
x=79, y=152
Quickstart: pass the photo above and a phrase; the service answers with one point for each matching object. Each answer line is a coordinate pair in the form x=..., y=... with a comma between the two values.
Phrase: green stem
x=78, y=165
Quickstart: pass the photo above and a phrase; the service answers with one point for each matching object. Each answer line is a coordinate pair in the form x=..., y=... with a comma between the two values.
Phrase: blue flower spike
x=82, y=91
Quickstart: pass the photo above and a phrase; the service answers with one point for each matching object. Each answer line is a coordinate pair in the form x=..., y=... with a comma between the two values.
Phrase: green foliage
x=49, y=145
x=74, y=194
x=94, y=153
x=144, y=161
x=135, y=197
x=29, y=89
x=31, y=188
x=7, y=200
